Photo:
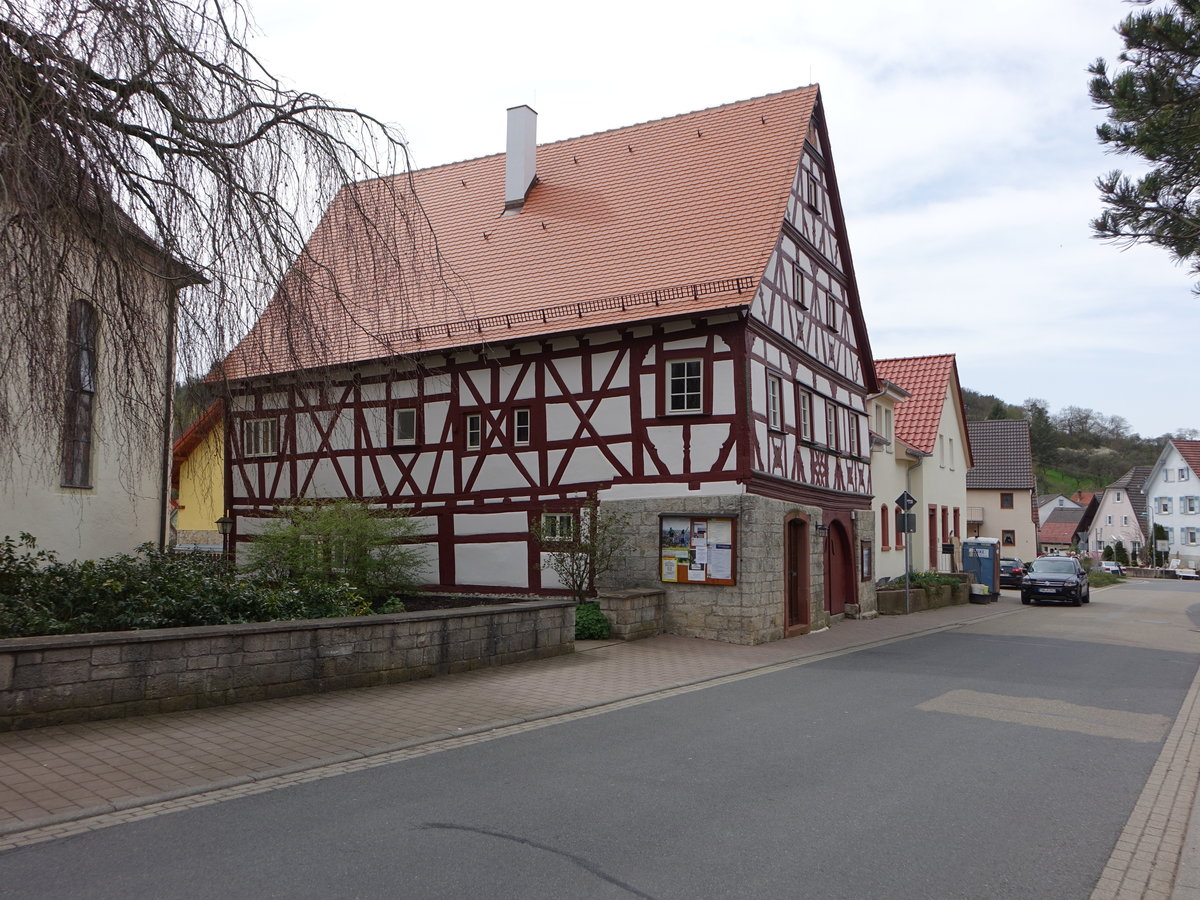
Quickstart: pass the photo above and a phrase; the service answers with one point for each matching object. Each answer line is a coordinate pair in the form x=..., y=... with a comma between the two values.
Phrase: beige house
x=97, y=484
x=921, y=447
x=1001, y=488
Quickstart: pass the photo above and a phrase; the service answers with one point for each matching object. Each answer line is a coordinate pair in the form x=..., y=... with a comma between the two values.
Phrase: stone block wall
x=83, y=677
x=750, y=611
x=634, y=613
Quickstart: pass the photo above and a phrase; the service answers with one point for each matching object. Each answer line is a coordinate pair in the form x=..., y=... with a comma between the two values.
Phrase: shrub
x=922, y=580
x=590, y=623
x=148, y=589
x=339, y=541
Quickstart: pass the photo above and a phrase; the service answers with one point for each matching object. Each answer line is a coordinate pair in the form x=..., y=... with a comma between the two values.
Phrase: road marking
x=1144, y=728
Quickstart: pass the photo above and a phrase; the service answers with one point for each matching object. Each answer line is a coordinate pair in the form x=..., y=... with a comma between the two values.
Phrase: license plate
x=1047, y=590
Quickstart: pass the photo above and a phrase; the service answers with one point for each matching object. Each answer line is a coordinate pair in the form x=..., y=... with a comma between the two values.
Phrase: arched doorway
x=796, y=593
x=839, y=570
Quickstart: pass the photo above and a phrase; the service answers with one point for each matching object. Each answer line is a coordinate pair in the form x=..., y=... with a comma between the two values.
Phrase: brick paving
x=68, y=779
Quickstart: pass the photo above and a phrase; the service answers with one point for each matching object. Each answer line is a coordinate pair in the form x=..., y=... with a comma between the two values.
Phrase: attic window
x=798, y=288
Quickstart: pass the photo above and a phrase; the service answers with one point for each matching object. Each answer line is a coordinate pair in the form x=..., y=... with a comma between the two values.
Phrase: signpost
x=906, y=523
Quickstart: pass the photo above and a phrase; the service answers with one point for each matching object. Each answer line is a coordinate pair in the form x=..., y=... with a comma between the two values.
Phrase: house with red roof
x=927, y=455
x=662, y=319
x=1172, y=490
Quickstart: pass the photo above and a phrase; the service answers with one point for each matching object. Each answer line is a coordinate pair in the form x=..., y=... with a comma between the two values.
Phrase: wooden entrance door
x=795, y=573
x=839, y=570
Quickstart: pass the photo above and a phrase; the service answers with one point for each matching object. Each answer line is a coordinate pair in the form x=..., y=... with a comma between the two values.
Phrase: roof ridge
x=613, y=130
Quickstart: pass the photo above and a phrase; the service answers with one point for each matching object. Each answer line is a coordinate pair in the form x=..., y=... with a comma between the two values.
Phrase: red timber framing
x=761, y=392
x=593, y=416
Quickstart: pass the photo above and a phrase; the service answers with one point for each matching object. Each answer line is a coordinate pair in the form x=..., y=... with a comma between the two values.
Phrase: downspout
x=164, y=524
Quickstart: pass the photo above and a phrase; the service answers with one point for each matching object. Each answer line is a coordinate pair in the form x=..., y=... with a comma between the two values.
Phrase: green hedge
x=149, y=589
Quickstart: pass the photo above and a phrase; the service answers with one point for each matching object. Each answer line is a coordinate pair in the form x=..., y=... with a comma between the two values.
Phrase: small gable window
x=80, y=395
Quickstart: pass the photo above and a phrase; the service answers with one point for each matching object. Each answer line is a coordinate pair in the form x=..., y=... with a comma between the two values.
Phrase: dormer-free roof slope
x=1190, y=451
x=669, y=217
x=1003, y=455
x=926, y=378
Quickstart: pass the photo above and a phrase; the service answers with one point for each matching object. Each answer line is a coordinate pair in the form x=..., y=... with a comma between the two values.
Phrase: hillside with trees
x=1075, y=449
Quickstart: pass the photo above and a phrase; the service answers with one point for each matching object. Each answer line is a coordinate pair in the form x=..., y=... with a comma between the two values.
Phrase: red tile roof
x=1190, y=451
x=1058, y=532
x=926, y=378
x=668, y=217
x=195, y=434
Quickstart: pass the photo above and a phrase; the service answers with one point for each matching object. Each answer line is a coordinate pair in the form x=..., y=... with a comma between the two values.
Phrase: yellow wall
x=202, y=484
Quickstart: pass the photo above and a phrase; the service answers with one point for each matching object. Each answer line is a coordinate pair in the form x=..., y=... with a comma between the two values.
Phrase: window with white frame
x=1183, y=474
x=1124, y=520
x=1163, y=505
x=1118, y=496
x=805, y=403
x=404, y=432
x=1108, y=520
x=851, y=434
x=260, y=437
x=814, y=194
x=473, y=430
x=1191, y=505
x=685, y=386
x=831, y=426
x=1189, y=535
x=887, y=423
x=522, y=430
x=557, y=526
x=774, y=402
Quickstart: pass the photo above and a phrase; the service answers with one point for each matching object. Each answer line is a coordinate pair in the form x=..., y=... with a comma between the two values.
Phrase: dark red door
x=795, y=573
x=839, y=570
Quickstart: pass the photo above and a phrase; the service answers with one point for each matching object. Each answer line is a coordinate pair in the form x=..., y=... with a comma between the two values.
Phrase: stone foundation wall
x=83, y=677
x=891, y=603
x=752, y=610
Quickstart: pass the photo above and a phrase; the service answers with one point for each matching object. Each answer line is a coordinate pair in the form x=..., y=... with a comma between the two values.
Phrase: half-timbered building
x=661, y=318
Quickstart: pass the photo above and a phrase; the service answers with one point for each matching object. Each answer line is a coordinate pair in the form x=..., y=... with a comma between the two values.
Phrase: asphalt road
x=998, y=760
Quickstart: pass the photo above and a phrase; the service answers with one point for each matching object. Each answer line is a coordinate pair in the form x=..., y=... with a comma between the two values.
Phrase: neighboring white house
x=1121, y=515
x=1047, y=505
x=1172, y=493
x=929, y=457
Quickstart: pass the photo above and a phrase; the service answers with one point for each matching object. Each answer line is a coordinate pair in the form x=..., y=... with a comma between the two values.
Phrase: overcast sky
x=962, y=134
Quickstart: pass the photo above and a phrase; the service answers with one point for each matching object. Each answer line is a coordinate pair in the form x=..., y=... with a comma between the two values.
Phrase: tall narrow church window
x=80, y=396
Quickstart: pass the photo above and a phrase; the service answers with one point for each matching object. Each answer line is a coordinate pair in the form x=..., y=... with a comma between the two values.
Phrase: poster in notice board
x=696, y=549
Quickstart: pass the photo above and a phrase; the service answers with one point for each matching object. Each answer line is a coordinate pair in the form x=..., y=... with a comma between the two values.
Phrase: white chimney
x=520, y=159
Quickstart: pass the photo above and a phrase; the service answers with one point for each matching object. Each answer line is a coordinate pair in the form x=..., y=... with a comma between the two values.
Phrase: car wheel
x=1077, y=600
x=1026, y=600
x=1087, y=598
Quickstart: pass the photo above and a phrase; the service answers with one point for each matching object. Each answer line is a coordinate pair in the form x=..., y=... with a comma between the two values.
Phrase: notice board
x=697, y=549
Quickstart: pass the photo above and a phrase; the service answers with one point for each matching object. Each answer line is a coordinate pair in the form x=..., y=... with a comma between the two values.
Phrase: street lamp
x=224, y=526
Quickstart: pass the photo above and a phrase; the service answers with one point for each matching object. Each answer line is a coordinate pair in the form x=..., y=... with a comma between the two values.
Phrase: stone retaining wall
x=891, y=603
x=634, y=613
x=82, y=677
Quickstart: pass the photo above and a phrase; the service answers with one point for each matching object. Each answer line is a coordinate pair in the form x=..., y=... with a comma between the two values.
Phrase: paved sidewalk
x=68, y=779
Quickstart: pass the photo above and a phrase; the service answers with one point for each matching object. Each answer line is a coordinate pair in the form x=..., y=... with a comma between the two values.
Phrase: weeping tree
x=1152, y=100
x=144, y=137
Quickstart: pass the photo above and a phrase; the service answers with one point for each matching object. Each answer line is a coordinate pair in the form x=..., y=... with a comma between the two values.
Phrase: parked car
x=1114, y=567
x=1056, y=578
x=1012, y=570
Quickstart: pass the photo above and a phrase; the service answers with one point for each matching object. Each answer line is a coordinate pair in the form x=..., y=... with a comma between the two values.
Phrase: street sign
x=906, y=501
x=906, y=523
